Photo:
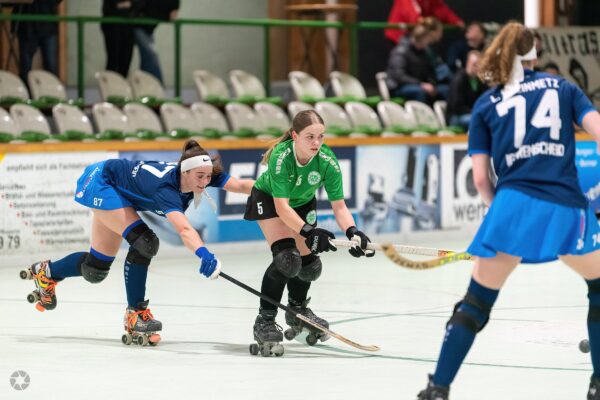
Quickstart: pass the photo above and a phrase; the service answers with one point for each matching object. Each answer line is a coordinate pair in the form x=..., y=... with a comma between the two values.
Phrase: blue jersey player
x=537, y=210
x=116, y=190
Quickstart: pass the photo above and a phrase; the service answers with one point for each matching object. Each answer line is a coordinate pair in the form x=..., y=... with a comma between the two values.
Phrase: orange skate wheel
x=39, y=307
x=154, y=339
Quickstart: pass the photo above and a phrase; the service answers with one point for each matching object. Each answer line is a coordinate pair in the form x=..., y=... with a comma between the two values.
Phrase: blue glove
x=210, y=266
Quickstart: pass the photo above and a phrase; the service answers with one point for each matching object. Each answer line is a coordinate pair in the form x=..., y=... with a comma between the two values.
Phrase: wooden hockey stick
x=420, y=251
x=390, y=252
x=299, y=316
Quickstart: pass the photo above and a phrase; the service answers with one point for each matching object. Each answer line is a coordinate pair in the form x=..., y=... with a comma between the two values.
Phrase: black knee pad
x=137, y=258
x=286, y=257
x=469, y=320
x=311, y=268
x=93, y=269
x=144, y=240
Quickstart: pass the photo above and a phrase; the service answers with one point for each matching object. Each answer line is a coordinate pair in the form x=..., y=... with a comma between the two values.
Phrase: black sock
x=273, y=285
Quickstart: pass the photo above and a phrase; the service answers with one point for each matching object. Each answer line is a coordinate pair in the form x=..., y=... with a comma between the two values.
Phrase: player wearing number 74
x=115, y=190
x=537, y=212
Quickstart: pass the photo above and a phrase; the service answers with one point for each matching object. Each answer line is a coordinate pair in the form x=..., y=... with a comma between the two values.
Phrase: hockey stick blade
x=391, y=253
x=405, y=249
x=299, y=316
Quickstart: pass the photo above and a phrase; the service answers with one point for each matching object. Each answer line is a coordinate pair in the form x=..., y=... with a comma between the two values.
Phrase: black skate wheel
x=152, y=343
x=584, y=346
x=126, y=339
x=253, y=349
x=289, y=334
x=278, y=350
x=142, y=340
x=33, y=297
x=311, y=339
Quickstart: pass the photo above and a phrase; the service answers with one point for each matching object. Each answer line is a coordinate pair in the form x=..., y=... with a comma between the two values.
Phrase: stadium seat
x=32, y=124
x=12, y=89
x=112, y=124
x=143, y=121
x=244, y=121
x=72, y=123
x=426, y=119
x=384, y=91
x=113, y=88
x=147, y=89
x=8, y=128
x=397, y=120
x=294, y=107
x=179, y=121
x=337, y=123
x=347, y=87
x=363, y=118
x=274, y=119
x=306, y=87
x=249, y=89
x=48, y=90
x=211, y=121
x=211, y=88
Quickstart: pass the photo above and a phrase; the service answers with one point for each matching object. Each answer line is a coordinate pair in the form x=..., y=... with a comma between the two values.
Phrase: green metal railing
x=265, y=24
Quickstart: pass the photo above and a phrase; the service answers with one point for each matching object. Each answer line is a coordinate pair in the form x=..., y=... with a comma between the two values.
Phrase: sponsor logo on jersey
x=79, y=194
x=311, y=217
x=314, y=178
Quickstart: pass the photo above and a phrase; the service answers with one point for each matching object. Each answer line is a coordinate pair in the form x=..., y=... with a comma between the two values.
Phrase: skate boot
x=267, y=334
x=44, y=296
x=594, y=390
x=296, y=325
x=140, y=326
x=434, y=392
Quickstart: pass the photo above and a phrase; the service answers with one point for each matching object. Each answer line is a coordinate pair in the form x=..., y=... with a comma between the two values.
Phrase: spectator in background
x=143, y=35
x=474, y=40
x=410, y=11
x=118, y=38
x=442, y=72
x=465, y=89
x=411, y=74
x=551, y=68
x=37, y=35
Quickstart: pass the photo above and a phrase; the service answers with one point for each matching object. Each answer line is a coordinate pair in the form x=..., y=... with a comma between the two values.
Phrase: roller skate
x=44, y=296
x=140, y=326
x=267, y=334
x=296, y=326
x=435, y=392
x=594, y=390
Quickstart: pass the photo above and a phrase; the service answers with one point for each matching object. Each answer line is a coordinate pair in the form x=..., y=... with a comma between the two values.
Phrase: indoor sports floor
x=529, y=349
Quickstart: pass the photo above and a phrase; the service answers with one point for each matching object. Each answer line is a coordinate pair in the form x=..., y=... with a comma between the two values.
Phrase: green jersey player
x=284, y=205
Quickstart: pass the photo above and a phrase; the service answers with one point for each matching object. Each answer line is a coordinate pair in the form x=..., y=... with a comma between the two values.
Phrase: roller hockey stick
x=420, y=251
x=391, y=253
x=299, y=316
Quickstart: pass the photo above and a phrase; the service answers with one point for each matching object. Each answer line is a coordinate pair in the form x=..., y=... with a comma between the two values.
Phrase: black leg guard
x=144, y=240
x=286, y=263
x=474, y=321
x=93, y=269
x=137, y=258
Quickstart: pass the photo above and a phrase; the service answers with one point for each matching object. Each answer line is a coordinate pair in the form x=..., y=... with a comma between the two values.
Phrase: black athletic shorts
x=260, y=205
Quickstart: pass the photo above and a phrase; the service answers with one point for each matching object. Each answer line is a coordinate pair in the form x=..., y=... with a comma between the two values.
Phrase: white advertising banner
x=36, y=202
x=576, y=51
x=461, y=205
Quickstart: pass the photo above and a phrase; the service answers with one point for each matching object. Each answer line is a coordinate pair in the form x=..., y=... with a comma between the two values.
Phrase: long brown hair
x=496, y=65
x=191, y=148
x=301, y=120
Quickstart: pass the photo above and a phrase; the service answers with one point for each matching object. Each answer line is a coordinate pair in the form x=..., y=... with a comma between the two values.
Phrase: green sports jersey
x=287, y=178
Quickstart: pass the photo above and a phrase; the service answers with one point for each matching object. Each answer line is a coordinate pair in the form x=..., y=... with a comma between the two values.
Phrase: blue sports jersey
x=152, y=185
x=531, y=138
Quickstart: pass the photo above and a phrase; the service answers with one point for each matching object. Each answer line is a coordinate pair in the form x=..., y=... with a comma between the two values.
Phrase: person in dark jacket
x=465, y=89
x=37, y=35
x=143, y=35
x=118, y=38
x=410, y=72
x=474, y=39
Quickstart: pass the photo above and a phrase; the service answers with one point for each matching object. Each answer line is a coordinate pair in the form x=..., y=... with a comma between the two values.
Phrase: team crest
x=314, y=177
x=311, y=217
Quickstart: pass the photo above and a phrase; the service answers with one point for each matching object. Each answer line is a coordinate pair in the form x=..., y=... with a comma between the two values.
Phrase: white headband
x=195, y=162
x=518, y=73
